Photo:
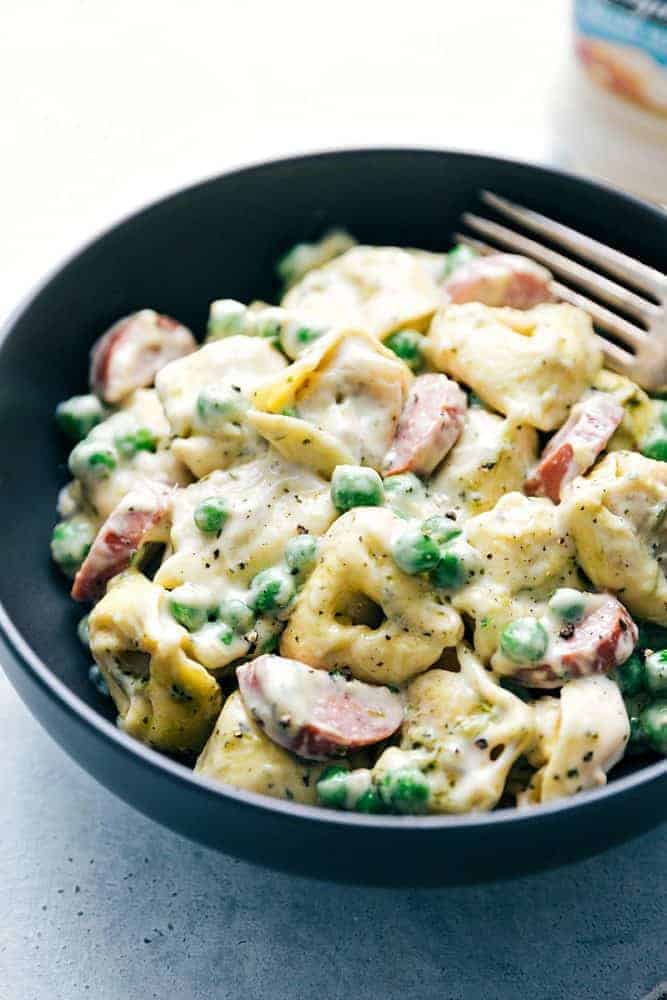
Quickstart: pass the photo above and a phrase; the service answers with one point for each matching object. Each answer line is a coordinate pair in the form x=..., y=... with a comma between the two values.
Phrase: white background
x=105, y=104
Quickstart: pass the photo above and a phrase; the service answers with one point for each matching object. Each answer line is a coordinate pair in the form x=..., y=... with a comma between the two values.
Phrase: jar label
x=622, y=44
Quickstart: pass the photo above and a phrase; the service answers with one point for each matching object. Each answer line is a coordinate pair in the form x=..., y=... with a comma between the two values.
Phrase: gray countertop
x=98, y=901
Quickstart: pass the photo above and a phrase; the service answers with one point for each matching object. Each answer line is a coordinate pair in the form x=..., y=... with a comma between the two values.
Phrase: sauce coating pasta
x=396, y=544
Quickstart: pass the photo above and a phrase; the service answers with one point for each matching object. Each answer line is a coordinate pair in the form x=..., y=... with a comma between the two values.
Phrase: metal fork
x=643, y=356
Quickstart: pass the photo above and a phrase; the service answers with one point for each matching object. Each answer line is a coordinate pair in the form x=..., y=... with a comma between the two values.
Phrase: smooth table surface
x=98, y=901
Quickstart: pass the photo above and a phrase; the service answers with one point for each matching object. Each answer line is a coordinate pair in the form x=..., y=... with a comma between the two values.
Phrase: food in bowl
x=393, y=546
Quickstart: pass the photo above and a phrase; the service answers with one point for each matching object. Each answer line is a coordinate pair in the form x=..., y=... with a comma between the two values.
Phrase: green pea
x=369, y=802
x=227, y=317
x=459, y=255
x=415, y=552
x=236, y=614
x=524, y=640
x=631, y=675
x=568, y=604
x=634, y=706
x=269, y=322
x=653, y=721
x=407, y=345
x=405, y=791
x=290, y=411
x=270, y=645
x=70, y=544
x=226, y=635
x=656, y=672
x=651, y=636
x=141, y=440
x=270, y=590
x=515, y=688
x=332, y=787
x=406, y=484
x=190, y=617
x=220, y=405
x=450, y=572
x=83, y=631
x=295, y=338
x=211, y=515
x=441, y=529
x=92, y=460
x=300, y=553
x=77, y=416
x=97, y=680
x=355, y=486
x=656, y=449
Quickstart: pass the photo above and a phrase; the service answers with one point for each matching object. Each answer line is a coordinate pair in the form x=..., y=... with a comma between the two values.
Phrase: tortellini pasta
x=130, y=445
x=206, y=397
x=463, y=732
x=377, y=289
x=530, y=364
x=270, y=501
x=163, y=697
x=338, y=404
x=526, y=553
x=239, y=754
x=617, y=517
x=577, y=739
x=639, y=410
x=491, y=458
x=358, y=611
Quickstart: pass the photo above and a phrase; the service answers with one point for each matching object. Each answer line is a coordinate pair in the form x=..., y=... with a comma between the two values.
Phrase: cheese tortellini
x=163, y=696
x=377, y=289
x=339, y=404
x=359, y=611
x=463, y=732
x=531, y=364
x=206, y=396
x=491, y=458
x=238, y=753
x=526, y=554
x=617, y=517
x=577, y=739
x=338, y=553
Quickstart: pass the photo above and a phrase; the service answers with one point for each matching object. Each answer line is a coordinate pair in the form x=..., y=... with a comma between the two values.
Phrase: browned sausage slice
x=315, y=714
x=141, y=516
x=501, y=279
x=429, y=425
x=131, y=353
x=574, y=448
x=603, y=640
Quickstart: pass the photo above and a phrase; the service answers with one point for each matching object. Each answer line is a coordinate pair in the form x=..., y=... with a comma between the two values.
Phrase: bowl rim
x=178, y=773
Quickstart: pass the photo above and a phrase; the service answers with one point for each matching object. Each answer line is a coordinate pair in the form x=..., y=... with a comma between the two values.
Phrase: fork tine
x=604, y=288
x=618, y=359
x=482, y=248
x=613, y=261
x=604, y=318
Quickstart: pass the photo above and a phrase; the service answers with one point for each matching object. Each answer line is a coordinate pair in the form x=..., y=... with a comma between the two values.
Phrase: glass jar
x=611, y=107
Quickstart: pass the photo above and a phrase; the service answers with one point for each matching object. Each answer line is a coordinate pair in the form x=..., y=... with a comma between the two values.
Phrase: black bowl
x=221, y=238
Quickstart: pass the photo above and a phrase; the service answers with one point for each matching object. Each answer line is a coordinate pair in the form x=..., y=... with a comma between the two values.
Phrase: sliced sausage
x=429, y=425
x=131, y=353
x=573, y=450
x=501, y=279
x=603, y=640
x=315, y=714
x=141, y=516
